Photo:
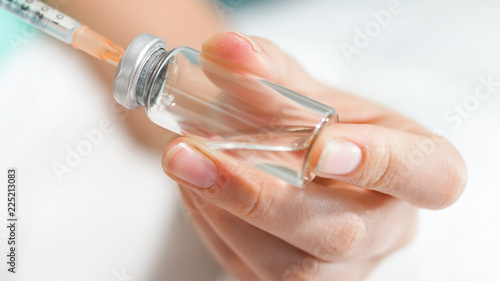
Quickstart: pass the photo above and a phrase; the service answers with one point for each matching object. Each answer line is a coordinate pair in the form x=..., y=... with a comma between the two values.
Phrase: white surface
x=116, y=214
x=115, y=209
x=427, y=59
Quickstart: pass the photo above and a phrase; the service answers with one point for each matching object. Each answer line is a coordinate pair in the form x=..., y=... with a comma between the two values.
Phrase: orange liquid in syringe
x=97, y=45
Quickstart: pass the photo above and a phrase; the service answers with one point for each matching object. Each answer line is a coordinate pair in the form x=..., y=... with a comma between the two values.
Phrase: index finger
x=426, y=171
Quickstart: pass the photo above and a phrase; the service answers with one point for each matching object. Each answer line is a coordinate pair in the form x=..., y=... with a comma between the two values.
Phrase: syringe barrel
x=44, y=17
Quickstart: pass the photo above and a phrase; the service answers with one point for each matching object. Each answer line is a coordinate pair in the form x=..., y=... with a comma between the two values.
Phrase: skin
x=340, y=226
x=258, y=227
x=180, y=23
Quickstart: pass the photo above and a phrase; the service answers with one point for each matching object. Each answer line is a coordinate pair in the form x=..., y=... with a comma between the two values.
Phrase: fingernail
x=191, y=165
x=339, y=157
x=242, y=36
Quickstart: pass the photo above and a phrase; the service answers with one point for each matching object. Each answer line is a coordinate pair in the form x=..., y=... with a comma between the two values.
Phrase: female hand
x=375, y=168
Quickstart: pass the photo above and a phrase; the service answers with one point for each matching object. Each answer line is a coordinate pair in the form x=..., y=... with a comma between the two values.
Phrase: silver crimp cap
x=129, y=74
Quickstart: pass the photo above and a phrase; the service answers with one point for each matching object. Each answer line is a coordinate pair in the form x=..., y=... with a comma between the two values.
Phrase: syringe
x=65, y=29
x=201, y=96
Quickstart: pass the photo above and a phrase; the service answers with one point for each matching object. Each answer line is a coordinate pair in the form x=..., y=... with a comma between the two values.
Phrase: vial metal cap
x=130, y=75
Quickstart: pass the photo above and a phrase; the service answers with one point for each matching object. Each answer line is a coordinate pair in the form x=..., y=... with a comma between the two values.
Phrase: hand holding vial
x=374, y=169
x=247, y=140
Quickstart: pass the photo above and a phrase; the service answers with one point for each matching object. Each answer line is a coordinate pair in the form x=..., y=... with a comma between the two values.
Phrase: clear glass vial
x=253, y=120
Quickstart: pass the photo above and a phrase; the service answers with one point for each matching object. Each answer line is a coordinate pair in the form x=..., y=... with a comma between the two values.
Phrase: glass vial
x=248, y=118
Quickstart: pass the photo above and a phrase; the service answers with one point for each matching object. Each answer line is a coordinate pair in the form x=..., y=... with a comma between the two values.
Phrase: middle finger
x=331, y=222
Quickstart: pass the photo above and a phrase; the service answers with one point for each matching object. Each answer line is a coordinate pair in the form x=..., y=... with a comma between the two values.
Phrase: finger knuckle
x=305, y=270
x=346, y=237
x=260, y=201
x=383, y=170
x=222, y=217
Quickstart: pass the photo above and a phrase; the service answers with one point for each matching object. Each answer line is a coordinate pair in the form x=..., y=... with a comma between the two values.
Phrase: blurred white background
x=116, y=215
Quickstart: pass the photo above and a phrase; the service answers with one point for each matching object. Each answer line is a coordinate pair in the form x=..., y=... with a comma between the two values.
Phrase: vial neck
x=148, y=78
